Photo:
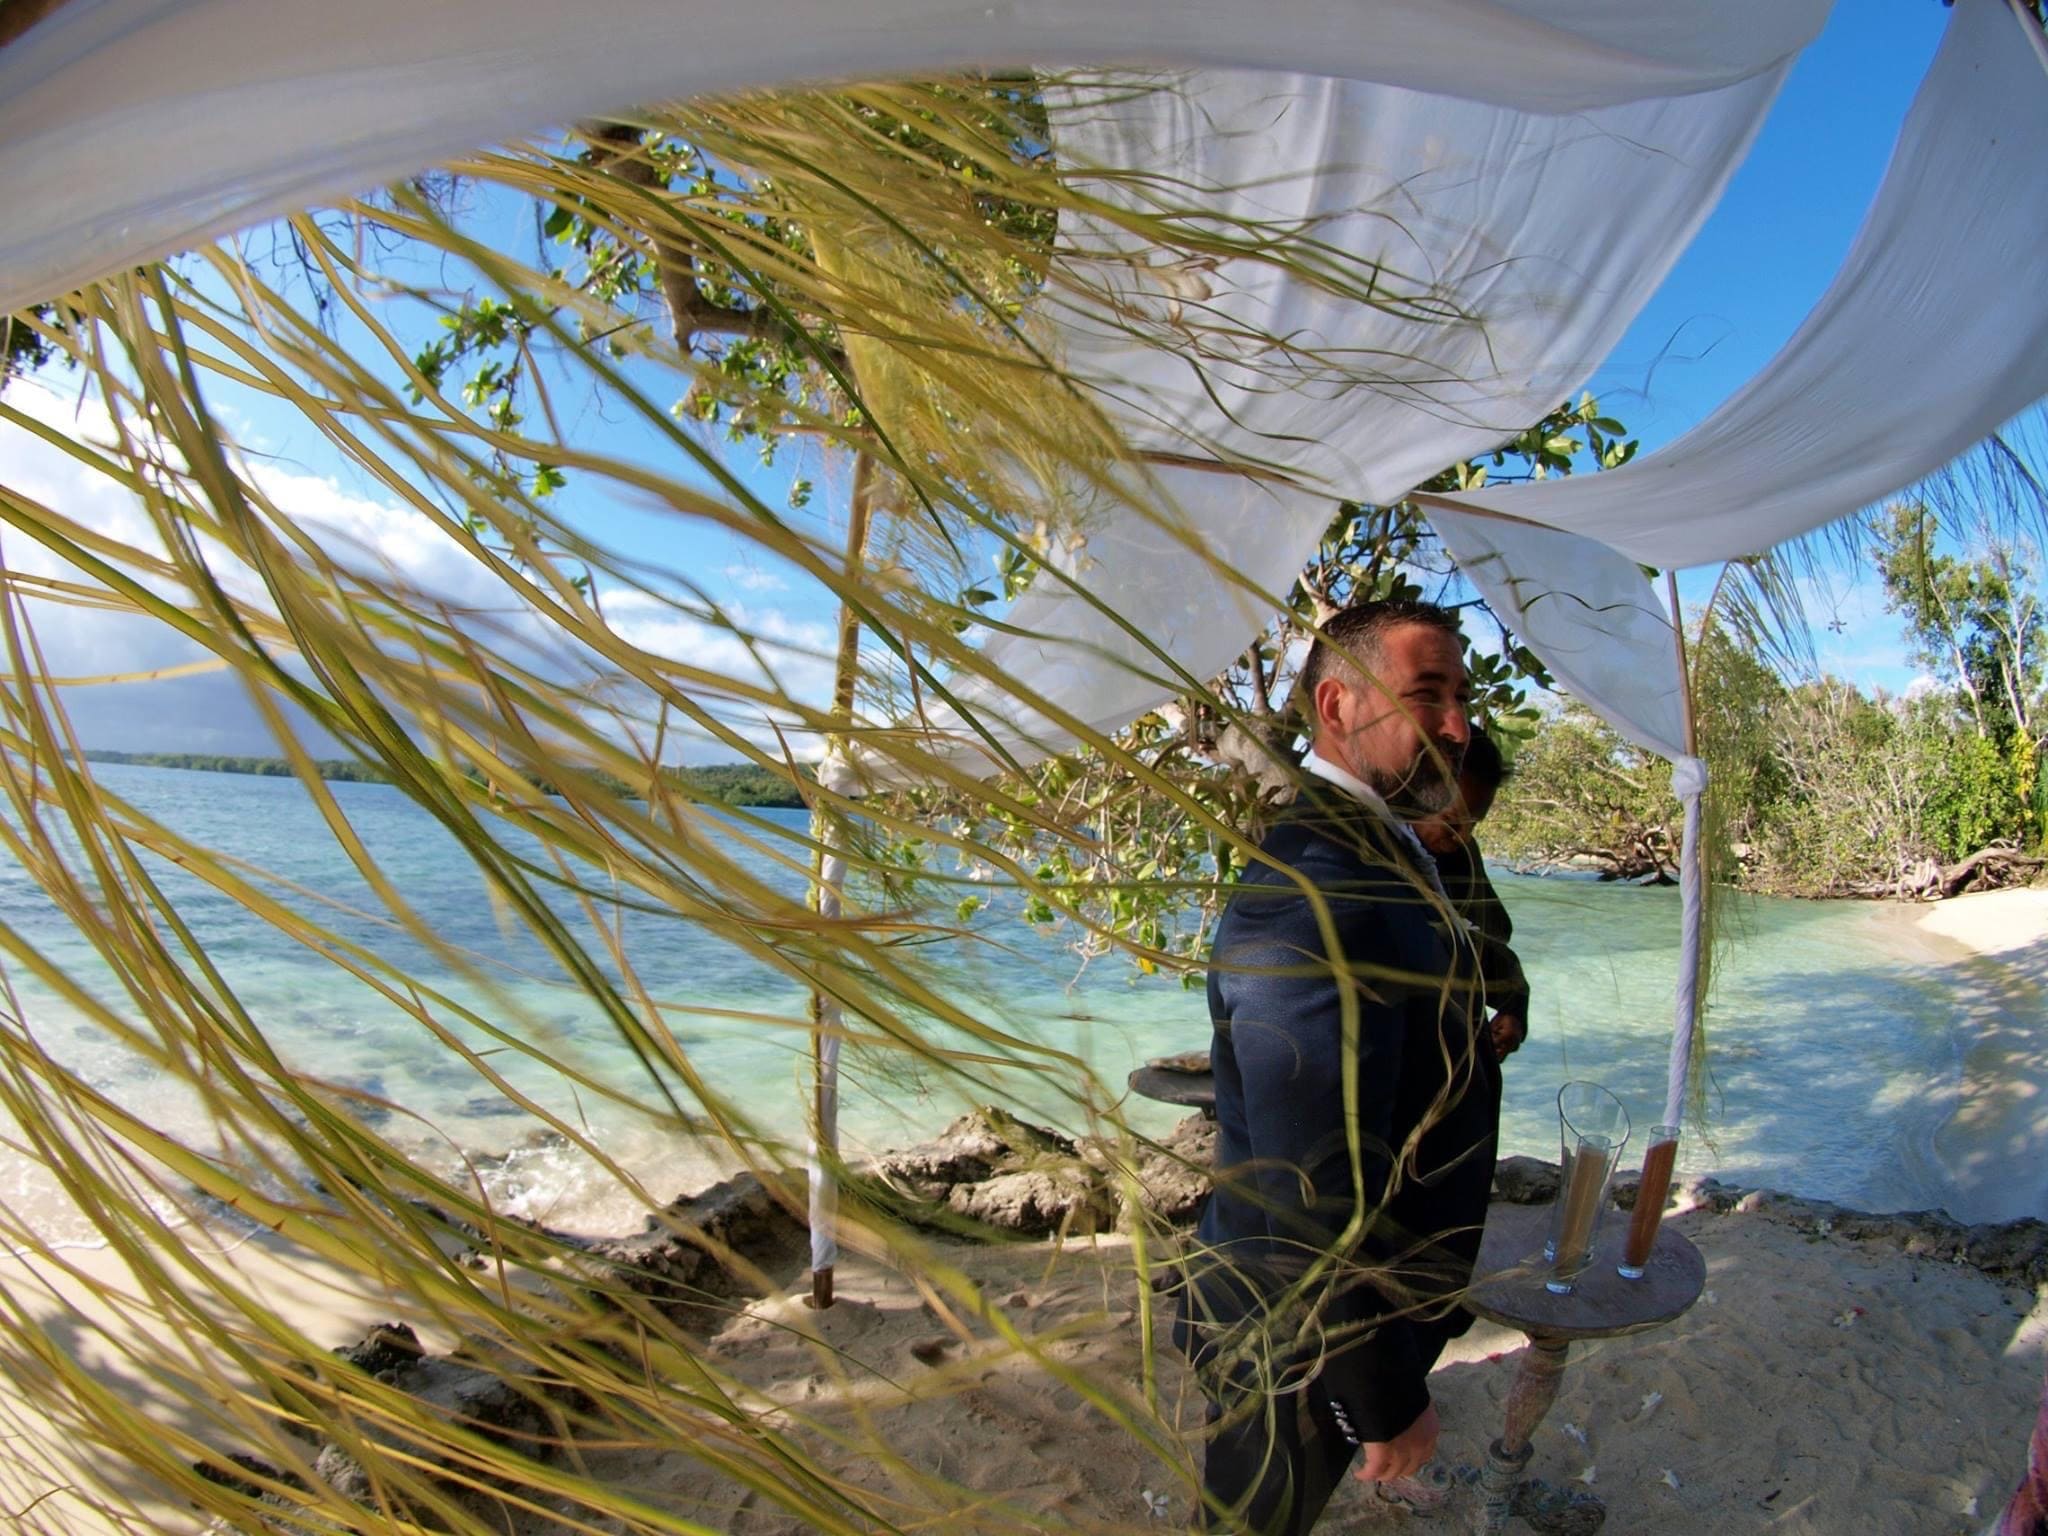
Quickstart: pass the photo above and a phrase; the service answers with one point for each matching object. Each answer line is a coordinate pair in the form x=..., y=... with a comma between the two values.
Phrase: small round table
x=1184, y=1080
x=1508, y=1288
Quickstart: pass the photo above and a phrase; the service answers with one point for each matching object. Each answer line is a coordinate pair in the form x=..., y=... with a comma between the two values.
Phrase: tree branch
x=616, y=148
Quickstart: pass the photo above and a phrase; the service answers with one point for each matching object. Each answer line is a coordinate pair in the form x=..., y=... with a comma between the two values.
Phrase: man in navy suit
x=1356, y=1110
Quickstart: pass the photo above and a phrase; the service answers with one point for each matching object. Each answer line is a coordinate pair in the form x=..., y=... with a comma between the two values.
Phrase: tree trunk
x=616, y=147
x=2000, y=866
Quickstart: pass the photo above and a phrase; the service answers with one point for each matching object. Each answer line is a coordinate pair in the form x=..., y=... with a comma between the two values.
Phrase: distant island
x=727, y=783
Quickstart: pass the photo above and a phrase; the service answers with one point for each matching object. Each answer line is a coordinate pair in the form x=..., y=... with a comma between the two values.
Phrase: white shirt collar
x=1349, y=782
x=1375, y=802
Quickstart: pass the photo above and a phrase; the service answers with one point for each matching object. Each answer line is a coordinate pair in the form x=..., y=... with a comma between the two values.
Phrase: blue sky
x=1766, y=255
x=1735, y=296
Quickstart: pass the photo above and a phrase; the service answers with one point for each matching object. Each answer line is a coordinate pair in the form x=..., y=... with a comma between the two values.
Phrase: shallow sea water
x=1834, y=1052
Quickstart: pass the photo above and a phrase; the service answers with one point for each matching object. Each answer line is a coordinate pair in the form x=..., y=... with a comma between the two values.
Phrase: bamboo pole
x=1692, y=738
x=828, y=887
x=1691, y=881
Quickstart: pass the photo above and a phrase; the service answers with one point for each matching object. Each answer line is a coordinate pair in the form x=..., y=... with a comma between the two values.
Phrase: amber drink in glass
x=1584, y=1110
x=1580, y=1200
x=1659, y=1158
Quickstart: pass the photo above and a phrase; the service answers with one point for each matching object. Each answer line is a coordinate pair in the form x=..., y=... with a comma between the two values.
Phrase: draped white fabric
x=1513, y=250
x=131, y=128
x=1504, y=251
x=1147, y=610
x=1933, y=334
x=1587, y=611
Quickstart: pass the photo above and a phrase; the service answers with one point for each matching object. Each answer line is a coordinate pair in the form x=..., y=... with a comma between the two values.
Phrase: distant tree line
x=1822, y=788
x=341, y=770
x=727, y=783
x=739, y=784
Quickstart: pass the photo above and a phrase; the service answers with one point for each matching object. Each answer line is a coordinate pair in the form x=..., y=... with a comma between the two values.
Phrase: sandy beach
x=1821, y=1386
x=1836, y=1375
x=1994, y=1147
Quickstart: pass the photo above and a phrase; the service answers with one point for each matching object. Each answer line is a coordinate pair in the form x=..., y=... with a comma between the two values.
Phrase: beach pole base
x=1558, y=1511
x=1509, y=1289
x=1530, y=1395
x=1498, y=1481
x=821, y=1289
x=1542, y=1505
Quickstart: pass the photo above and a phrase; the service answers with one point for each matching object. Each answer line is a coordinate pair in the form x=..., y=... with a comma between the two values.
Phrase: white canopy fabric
x=132, y=128
x=1539, y=163
x=1534, y=239
x=1933, y=334
x=1586, y=610
x=1508, y=251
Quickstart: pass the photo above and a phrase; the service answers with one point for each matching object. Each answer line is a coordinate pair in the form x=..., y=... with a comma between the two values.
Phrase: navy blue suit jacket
x=1348, y=1266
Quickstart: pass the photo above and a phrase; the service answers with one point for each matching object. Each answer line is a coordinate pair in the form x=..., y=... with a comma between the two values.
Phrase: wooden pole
x=1692, y=738
x=828, y=886
x=1691, y=883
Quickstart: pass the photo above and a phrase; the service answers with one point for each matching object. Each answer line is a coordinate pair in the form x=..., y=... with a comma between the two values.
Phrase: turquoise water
x=1834, y=1056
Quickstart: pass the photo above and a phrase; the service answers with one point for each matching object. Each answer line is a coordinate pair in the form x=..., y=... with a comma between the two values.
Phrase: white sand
x=2012, y=925
x=1993, y=1150
x=1826, y=1387
x=84, y=1306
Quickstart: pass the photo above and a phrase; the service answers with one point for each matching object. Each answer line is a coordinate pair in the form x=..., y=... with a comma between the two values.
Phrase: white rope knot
x=1688, y=778
x=837, y=774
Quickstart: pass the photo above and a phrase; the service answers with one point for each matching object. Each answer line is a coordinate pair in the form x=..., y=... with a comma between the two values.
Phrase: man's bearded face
x=1404, y=731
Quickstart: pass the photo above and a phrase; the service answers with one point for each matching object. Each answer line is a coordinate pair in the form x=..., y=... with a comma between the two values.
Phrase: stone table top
x=1508, y=1284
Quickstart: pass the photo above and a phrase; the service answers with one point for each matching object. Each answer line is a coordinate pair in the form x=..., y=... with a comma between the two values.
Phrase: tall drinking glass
x=1659, y=1158
x=1592, y=1128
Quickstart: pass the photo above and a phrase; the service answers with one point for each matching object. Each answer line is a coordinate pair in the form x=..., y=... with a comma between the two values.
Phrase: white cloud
x=394, y=545
x=762, y=648
x=78, y=641
x=751, y=578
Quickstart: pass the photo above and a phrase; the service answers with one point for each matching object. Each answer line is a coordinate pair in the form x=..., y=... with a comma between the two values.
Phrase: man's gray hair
x=1351, y=639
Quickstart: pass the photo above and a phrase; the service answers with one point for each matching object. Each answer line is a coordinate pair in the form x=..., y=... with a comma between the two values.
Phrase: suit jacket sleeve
x=1285, y=1003
x=1507, y=986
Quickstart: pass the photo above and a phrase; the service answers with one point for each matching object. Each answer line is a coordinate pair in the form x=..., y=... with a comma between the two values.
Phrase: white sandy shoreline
x=1992, y=1150
x=1825, y=1384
